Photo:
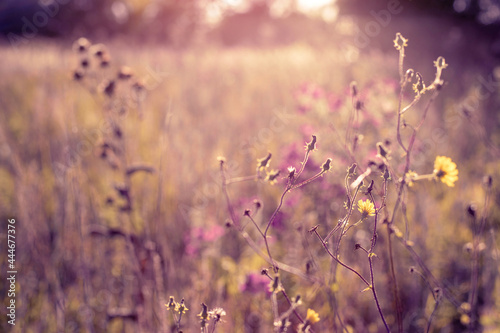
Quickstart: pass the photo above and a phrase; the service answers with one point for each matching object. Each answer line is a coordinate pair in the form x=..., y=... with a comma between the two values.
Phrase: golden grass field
x=118, y=199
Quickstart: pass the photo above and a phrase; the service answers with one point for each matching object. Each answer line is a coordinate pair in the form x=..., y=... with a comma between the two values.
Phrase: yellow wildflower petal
x=366, y=208
x=445, y=170
x=312, y=316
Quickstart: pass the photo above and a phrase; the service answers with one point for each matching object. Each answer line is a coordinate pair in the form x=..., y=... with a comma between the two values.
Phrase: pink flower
x=307, y=95
x=334, y=102
x=255, y=283
x=198, y=237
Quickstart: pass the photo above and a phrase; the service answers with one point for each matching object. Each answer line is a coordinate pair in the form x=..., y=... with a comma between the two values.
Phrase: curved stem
x=337, y=259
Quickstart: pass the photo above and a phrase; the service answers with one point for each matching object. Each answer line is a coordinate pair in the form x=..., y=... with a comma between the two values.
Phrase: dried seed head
x=108, y=87
x=263, y=163
x=122, y=190
x=352, y=169
x=400, y=42
x=105, y=60
x=275, y=285
x=327, y=165
x=84, y=63
x=221, y=159
x=438, y=294
x=98, y=50
x=382, y=151
x=81, y=45
x=370, y=188
x=181, y=307
x=471, y=210
x=217, y=314
x=468, y=247
x=272, y=176
x=257, y=204
x=386, y=175
x=138, y=86
x=354, y=89
x=78, y=74
x=282, y=324
x=310, y=146
x=117, y=131
x=419, y=87
x=125, y=73
x=488, y=181
x=204, y=312
x=465, y=307
x=171, y=303
x=409, y=75
x=440, y=63
x=291, y=172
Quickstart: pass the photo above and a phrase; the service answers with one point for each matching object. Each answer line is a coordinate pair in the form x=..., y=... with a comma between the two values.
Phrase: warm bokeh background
x=113, y=178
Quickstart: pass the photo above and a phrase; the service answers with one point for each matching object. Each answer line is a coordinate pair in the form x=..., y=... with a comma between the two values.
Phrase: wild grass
x=96, y=260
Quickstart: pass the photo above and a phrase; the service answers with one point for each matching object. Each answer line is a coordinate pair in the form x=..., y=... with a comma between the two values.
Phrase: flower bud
x=311, y=145
x=327, y=165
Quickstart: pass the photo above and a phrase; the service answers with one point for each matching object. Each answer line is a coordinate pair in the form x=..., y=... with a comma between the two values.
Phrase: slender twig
x=247, y=237
x=255, y=224
x=429, y=274
x=429, y=324
x=370, y=260
x=337, y=259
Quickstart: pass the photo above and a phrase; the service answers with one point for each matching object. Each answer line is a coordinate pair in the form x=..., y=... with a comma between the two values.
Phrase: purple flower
x=197, y=238
x=255, y=283
x=307, y=95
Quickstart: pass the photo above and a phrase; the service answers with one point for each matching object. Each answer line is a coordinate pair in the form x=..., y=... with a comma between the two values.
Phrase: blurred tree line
x=179, y=22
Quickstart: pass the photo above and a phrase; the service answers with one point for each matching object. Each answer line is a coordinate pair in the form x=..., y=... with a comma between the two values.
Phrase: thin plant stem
x=370, y=260
x=247, y=237
x=429, y=324
x=337, y=259
x=241, y=179
x=429, y=274
x=475, y=260
x=347, y=217
x=255, y=224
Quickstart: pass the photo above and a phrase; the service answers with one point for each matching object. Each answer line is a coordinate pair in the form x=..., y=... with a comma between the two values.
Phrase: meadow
x=139, y=174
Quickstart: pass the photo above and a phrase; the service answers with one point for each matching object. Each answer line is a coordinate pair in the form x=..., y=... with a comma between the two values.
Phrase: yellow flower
x=312, y=316
x=366, y=208
x=445, y=170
